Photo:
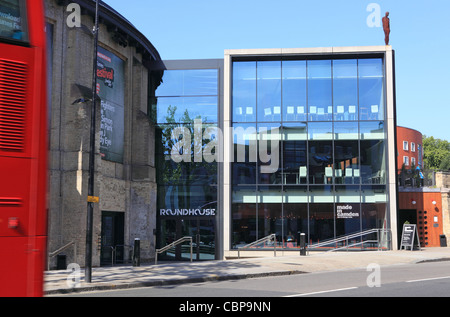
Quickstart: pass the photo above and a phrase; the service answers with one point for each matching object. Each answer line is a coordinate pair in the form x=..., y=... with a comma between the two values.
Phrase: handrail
x=268, y=238
x=171, y=245
x=352, y=236
x=61, y=249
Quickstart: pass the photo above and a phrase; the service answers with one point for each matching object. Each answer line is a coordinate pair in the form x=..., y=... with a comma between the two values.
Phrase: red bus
x=23, y=148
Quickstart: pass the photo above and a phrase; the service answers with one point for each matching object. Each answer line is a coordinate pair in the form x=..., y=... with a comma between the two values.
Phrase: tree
x=436, y=153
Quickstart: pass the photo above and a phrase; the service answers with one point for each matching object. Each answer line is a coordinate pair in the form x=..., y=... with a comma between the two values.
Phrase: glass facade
x=186, y=126
x=325, y=121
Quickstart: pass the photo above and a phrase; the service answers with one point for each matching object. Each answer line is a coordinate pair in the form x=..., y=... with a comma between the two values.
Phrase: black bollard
x=302, y=244
x=137, y=252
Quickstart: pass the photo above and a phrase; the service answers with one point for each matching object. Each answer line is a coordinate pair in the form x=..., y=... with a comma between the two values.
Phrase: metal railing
x=173, y=244
x=265, y=239
x=382, y=241
x=62, y=249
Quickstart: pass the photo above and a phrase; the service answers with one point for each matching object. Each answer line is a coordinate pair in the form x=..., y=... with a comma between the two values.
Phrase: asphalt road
x=413, y=280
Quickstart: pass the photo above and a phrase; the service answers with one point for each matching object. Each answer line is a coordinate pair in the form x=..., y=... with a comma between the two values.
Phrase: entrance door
x=202, y=231
x=112, y=250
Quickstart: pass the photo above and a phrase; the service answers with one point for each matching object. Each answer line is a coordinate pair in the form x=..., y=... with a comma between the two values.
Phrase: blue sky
x=420, y=36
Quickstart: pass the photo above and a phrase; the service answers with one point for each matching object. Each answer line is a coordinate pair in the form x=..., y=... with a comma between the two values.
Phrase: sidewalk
x=104, y=278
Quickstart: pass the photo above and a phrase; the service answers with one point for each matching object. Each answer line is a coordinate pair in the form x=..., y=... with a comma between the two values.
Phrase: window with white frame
x=405, y=145
x=413, y=161
x=406, y=160
x=413, y=147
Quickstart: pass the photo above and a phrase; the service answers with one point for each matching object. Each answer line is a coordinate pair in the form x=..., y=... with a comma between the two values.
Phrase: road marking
x=322, y=292
x=429, y=279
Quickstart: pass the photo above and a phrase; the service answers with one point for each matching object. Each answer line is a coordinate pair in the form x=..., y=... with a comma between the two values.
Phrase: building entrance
x=112, y=242
x=202, y=231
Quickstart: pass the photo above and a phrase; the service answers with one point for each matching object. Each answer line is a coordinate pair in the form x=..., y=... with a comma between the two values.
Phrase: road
x=414, y=280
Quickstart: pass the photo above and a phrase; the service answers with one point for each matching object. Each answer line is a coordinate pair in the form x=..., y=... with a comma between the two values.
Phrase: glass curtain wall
x=325, y=121
x=186, y=133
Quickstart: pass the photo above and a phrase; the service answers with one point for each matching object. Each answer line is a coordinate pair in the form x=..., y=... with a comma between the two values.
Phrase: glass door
x=203, y=235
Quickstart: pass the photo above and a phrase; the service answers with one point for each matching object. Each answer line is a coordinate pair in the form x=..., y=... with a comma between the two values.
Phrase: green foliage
x=436, y=153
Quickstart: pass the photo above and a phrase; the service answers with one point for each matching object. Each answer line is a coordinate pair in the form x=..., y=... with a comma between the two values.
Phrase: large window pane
x=345, y=89
x=269, y=91
x=244, y=92
x=373, y=162
x=244, y=224
x=270, y=221
x=245, y=154
x=320, y=131
x=186, y=109
x=295, y=222
x=320, y=162
x=372, y=130
x=320, y=105
x=371, y=89
x=346, y=130
x=294, y=91
x=190, y=82
x=294, y=154
x=321, y=222
x=269, y=153
x=346, y=162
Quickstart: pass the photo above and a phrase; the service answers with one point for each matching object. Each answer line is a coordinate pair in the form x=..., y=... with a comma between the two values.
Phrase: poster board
x=111, y=90
x=409, y=234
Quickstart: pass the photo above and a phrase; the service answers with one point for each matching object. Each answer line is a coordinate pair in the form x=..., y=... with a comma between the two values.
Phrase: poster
x=111, y=89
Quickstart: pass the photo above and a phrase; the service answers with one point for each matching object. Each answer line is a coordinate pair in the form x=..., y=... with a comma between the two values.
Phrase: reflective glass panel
x=371, y=89
x=294, y=153
x=346, y=162
x=346, y=130
x=321, y=222
x=320, y=131
x=345, y=89
x=373, y=162
x=244, y=92
x=269, y=153
x=320, y=162
x=295, y=221
x=186, y=109
x=372, y=130
x=294, y=91
x=269, y=91
x=320, y=105
x=189, y=82
x=245, y=153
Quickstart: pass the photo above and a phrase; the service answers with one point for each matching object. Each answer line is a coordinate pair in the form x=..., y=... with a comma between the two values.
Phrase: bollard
x=302, y=244
x=137, y=252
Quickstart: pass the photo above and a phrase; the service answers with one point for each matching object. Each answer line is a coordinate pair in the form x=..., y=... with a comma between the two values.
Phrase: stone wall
x=127, y=187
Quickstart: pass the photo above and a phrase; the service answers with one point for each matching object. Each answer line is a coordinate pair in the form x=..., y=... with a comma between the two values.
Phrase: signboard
x=346, y=212
x=111, y=89
x=408, y=235
x=188, y=212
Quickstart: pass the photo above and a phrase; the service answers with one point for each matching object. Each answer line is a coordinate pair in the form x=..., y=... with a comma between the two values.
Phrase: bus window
x=13, y=22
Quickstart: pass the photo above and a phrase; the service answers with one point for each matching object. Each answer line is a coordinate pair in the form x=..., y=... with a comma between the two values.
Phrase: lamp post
x=91, y=199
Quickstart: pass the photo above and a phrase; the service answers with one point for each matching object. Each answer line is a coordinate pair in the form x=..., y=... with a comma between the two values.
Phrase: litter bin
x=443, y=239
x=61, y=262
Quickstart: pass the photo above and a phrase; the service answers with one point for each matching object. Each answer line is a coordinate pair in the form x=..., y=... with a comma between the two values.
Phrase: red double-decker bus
x=23, y=148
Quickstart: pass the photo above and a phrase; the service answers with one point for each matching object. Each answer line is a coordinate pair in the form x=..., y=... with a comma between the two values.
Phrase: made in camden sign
x=346, y=212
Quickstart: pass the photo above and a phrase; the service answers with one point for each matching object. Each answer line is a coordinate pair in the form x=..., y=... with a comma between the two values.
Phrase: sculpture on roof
x=386, y=28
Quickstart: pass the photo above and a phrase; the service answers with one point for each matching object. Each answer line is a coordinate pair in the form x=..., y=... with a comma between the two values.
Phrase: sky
x=420, y=36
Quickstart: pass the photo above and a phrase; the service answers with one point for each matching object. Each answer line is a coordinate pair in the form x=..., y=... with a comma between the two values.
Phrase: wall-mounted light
x=434, y=202
x=413, y=202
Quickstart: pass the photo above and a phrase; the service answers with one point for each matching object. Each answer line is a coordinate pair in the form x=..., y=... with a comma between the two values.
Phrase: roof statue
x=386, y=28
